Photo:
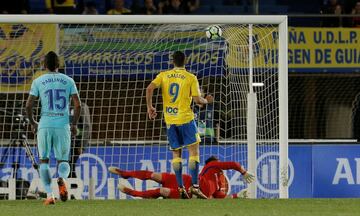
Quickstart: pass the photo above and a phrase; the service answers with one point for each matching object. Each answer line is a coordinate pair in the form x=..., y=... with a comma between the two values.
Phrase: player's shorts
x=208, y=187
x=56, y=138
x=180, y=136
x=215, y=189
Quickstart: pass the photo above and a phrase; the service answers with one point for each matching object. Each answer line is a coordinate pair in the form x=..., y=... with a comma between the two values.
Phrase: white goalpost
x=113, y=58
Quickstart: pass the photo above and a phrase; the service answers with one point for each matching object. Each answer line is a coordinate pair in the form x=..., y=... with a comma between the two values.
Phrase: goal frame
x=280, y=20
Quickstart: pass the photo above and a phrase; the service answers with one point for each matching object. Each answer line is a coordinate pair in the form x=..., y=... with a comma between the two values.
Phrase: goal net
x=112, y=64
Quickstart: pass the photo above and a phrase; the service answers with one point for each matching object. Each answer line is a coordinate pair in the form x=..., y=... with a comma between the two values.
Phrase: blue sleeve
x=73, y=89
x=34, y=89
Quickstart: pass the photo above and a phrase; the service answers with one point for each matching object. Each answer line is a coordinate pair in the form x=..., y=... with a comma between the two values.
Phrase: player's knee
x=194, y=161
x=177, y=163
x=62, y=161
x=44, y=160
x=152, y=176
x=165, y=192
x=156, y=177
x=195, y=158
x=176, y=153
x=44, y=166
x=194, y=150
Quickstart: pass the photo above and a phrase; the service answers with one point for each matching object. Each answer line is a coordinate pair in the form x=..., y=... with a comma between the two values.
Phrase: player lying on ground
x=168, y=189
x=216, y=186
x=179, y=88
x=54, y=90
x=212, y=180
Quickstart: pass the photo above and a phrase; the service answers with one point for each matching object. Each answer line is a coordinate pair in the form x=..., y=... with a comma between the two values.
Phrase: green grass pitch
x=227, y=207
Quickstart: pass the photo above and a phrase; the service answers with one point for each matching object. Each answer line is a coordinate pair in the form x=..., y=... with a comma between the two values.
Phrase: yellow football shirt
x=67, y=3
x=178, y=86
x=116, y=12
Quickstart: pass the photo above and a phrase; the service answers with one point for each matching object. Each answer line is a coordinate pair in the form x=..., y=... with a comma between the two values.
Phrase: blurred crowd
x=113, y=7
x=117, y=7
x=338, y=7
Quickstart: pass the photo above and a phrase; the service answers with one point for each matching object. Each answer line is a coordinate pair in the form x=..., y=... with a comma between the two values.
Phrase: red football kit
x=168, y=180
x=212, y=180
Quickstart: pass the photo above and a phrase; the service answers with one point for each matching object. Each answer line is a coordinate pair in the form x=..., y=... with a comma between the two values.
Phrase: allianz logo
x=268, y=173
x=92, y=166
x=345, y=173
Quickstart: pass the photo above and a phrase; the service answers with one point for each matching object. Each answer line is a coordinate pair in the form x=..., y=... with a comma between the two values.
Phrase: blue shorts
x=180, y=136
x=57, y=138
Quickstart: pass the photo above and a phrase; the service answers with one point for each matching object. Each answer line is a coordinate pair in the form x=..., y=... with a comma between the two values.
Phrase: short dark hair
x=179, y=59
x=51, y=61
x=212, y=158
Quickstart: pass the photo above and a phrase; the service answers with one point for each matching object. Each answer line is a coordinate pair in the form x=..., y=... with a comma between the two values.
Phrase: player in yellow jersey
x=179, y=88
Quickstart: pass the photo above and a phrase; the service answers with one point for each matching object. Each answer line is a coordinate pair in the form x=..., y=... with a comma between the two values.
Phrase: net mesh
x=112, y=66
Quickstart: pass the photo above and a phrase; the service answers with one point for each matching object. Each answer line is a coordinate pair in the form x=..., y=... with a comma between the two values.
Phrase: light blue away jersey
x=54, y=90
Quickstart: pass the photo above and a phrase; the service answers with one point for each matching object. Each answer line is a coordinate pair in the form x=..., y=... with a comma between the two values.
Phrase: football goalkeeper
x=212, y=179
x=179, y=88
x=168, y=189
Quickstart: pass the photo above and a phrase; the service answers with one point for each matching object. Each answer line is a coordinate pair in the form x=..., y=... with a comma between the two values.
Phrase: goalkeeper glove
x=248, y=177
x=243, y=194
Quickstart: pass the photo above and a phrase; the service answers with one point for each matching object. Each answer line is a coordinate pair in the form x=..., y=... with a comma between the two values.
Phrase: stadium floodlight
x=113, y=58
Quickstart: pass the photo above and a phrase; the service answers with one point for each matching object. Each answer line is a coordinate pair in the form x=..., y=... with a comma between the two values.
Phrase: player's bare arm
x=29, y=107
x=149, y=94
x=203, y=101
x=77, y=110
